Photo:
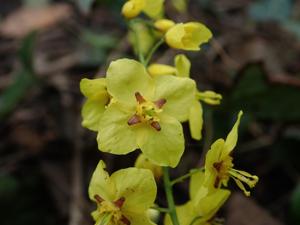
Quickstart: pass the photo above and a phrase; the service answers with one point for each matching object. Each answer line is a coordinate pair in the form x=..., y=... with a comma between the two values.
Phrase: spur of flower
x=219, y=165
x=97, y=99
x=188, y=36
x=181, y=68
x=122, y=198
x=152, y=8
x=146, y=113
x=202, y=206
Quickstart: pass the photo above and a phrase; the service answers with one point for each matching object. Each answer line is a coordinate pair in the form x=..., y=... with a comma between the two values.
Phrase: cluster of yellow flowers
x=141, y=106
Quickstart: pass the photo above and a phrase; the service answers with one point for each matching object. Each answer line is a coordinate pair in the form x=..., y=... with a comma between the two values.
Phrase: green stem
x=153, y=49
x=169, y=194
x=182, y=178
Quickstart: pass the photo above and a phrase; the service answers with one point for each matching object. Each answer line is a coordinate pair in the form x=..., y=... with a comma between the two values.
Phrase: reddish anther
x=135, y=119
x=156, y=125
x=125, y=220
x=160, y=103
x=119, y=203
x=98, y=198
x=217, y=165
x=140, y=99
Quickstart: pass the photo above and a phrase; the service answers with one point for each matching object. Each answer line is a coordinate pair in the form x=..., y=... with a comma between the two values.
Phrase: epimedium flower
x=146, y=113
x=97, y=99
x=202, y=206
x=219, y=165
x=122, y=198
x=181, y=68
x=188, y=36
x=164, y=25
x=152, y=8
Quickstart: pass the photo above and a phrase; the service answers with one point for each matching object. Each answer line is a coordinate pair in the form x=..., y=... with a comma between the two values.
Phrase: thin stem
x=182, y=178
x=153, y=49
x=169, y=194
x=165, y=210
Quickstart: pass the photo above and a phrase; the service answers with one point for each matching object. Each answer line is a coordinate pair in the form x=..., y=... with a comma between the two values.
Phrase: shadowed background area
x=47, y=158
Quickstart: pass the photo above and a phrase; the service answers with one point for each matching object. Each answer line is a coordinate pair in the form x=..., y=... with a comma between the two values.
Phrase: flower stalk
x=169, y=194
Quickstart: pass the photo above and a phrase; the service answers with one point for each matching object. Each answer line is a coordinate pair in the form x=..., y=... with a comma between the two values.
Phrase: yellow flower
x=180, y=5
x=152, y=8
x=122, y=198
x=164, y=25
x=147, y=113
x=219, y=165
x=97, y=100
x=182, y=69
x=143, y=162
x=202, y=206
x=188, y=36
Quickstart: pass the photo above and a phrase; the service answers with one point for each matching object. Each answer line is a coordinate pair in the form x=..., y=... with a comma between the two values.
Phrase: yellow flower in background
x=97, y=99
x=202, y=206
x=188, y=36
x=182, y=69
x=146, y=114
x=152, y=8
x=164, y=25
x=143, y=162
x=122, y=198
x=219, y=165
x=180, y=5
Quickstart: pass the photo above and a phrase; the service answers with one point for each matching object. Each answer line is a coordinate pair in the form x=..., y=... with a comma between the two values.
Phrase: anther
x=119, y=203
x=156, y=125
x=135, y=119
x=98, y=199
x=160, y=103
x=217, y=166
x=125, y=220
x=140, y=99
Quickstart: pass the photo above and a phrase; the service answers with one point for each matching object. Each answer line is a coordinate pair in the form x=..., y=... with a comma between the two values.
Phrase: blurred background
x=48, y=46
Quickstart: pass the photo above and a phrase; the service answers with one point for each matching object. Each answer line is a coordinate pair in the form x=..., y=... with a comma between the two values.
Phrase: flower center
x=113, y=210
x=147, y=112
x=225, y=170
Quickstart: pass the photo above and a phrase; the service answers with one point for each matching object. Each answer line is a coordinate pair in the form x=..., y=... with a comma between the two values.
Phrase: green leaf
x=271, y=10
x=24, y=79
x=253, y=93
x=35, y=3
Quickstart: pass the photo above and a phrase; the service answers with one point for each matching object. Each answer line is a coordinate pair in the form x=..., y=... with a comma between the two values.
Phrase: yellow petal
x=139, y=219
x=232, y=137
x=164, y=24
x=91, y=88
x=125, y=77
x=183, y=65
x=115, y=135
x=161, y=69
x=175, y=35
x=196, y=120
x=132, y=8
x=101, y=184
x=137, y=186
x=196, y=182
x=153, y=8
x=179, y=93
x=164, y=147
x=143, y=162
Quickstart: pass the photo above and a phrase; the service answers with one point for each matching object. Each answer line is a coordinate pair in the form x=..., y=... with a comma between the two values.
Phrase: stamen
x=98, y=199
x=140, y=99
x=119, y=203
x=156, y=125
x=135, y=119
x=160, y=103
x=217, y=165
x=125, y=220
